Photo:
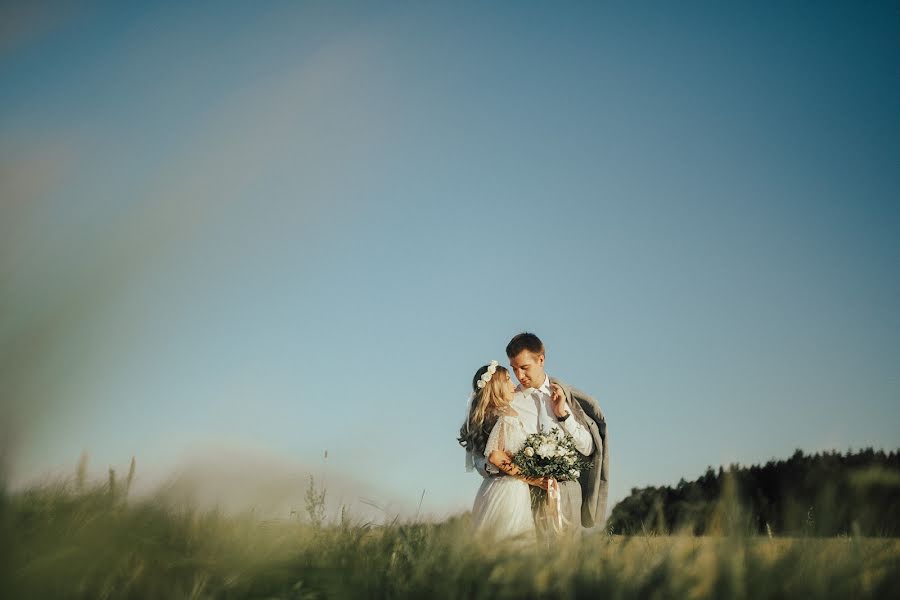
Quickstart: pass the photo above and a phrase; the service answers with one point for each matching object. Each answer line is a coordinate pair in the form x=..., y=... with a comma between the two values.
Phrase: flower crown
x=492, y=368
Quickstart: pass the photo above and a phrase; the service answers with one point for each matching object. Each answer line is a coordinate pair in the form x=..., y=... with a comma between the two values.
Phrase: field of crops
x=63, y=541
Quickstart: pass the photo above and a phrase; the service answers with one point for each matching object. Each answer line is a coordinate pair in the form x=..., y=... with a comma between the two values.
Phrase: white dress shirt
x=535, y=408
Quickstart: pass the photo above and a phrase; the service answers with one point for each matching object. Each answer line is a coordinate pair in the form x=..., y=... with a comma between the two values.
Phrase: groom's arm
x=584, y=441
x=562, y=405
x=484, y=467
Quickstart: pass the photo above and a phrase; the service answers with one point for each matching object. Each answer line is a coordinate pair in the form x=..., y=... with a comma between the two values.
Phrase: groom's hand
x=558, y=401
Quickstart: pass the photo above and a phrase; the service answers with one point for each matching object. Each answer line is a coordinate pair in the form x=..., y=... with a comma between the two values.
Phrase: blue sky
x=275, y=229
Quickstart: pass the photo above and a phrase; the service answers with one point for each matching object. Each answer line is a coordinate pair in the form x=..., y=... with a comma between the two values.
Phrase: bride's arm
x=503, y=461
x=496, y=454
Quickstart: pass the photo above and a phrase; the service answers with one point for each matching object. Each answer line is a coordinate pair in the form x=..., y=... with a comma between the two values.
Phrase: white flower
x=574, y=474
x=529, y=451
x=560, y=451
x=570, y=460
x=487, y=375
x=546, y=450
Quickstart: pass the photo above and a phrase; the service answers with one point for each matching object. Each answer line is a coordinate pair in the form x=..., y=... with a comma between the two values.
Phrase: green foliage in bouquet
x=551, y=454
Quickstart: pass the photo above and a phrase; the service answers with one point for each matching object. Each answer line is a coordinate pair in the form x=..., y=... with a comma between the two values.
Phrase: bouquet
x=552, y=455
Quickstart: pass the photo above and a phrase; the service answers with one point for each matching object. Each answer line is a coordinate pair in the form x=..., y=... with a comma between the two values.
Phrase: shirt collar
x=545, y=388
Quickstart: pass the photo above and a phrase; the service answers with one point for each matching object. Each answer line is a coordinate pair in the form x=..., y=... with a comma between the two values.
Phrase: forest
x=821, y=494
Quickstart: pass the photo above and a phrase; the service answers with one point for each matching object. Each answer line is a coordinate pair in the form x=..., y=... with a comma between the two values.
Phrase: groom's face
x=529, y=368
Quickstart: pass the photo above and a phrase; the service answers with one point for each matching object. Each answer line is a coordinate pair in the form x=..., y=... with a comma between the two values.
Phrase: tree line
x=828, y=493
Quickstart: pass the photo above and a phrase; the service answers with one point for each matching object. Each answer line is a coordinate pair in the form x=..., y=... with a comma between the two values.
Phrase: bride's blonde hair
x=486, y=405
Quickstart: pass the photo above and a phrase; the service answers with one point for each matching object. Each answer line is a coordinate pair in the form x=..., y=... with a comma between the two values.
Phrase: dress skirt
x=502, y=508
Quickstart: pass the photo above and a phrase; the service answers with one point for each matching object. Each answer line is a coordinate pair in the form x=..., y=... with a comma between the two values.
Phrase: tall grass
x=72, y=539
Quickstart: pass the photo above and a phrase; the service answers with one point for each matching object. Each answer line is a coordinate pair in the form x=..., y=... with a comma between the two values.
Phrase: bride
x=502, y=505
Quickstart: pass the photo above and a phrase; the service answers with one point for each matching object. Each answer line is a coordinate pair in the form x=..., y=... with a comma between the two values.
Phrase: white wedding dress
x=503, y=504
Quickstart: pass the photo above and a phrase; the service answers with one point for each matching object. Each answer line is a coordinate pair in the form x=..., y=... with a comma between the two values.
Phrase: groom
x=545, y=402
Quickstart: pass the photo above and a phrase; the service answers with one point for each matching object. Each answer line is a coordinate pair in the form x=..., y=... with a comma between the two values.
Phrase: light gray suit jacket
x=594, y=481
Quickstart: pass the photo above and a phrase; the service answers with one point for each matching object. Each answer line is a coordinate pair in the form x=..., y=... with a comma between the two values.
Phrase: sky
x=259, y=241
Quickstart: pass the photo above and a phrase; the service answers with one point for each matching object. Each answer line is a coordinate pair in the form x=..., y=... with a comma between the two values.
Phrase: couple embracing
x=500, y=418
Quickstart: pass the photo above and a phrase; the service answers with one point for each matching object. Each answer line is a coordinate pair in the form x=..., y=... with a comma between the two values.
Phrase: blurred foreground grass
x=69, y=540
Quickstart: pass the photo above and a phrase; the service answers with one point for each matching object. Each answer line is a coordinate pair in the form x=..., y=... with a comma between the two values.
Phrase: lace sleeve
x=497, y=438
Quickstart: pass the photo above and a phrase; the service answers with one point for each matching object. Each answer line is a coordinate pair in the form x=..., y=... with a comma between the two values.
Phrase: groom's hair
x=524, y=341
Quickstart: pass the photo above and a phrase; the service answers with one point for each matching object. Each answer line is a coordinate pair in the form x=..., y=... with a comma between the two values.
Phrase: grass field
x=66, y=540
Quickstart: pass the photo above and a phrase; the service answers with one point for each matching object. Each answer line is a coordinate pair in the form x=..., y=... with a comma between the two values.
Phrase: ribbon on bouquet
x=557, y=520
x=554, y=505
